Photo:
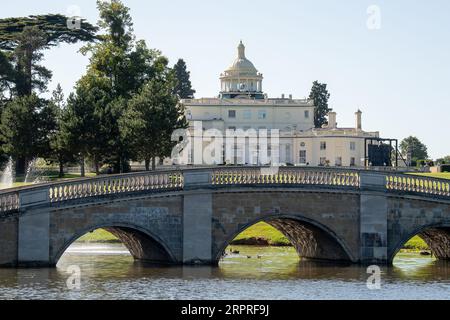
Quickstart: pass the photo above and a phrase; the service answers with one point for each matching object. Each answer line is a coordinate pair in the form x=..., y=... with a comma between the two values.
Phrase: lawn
x=99, y=236
x=262, y=231
x=443, y=175
x=52, y=178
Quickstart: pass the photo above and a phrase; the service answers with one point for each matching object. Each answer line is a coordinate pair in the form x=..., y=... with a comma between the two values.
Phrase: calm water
x=109, y=272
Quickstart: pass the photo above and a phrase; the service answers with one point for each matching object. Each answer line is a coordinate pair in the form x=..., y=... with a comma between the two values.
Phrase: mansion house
x=242, y=104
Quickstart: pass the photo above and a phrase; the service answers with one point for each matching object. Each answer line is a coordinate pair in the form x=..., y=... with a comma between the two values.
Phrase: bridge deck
x=160, y=181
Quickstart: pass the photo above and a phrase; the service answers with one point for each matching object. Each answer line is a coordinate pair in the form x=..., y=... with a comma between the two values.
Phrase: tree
x=59, y=151
x=85, y=126
x=121, y=66
x=150, y=120
x=444, y=160
x=320, y=95
x=22, y=42
x=55, y=27
x=183, y=87
x=25, y=129
x=25, y=38
x=414, y=148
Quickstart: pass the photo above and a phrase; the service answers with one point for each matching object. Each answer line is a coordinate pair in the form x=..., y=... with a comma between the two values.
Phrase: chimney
x=358, y=115
x=290, y=97
x=282, y=96
x=332, y=124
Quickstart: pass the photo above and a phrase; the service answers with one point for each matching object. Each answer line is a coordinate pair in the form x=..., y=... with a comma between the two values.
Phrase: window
x=352, y=162
x=302, y=158
x=232, y=114
x=338, y=162
x=352, y=146
x=307, y=114
x=323, y=145
x=262, y=115
x=247, y=115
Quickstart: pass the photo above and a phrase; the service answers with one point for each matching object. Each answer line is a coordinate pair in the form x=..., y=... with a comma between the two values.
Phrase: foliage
x=414, y=146
x=120, y=69
x=183, y=87
x=26, y=126
x=320, y=95
x=22, y=41
x=151, y=118
x=444, y=160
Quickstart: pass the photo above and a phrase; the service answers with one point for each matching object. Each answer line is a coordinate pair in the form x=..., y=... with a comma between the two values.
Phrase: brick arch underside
x=141, y=244
x=310, y=241
x=438, y=239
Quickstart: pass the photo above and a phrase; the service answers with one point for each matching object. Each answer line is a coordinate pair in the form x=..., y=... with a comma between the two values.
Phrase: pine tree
x=26, y=126
x=152, y=116
x=320, y=96
x=183, y=86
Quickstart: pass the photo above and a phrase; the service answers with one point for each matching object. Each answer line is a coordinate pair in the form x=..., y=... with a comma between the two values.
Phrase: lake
x=97, y=271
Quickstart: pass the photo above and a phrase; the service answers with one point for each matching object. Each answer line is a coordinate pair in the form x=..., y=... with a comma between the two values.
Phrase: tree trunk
x=97, y=168
x=83, y=167
x=147, y=164
x=61, y=169
x=21, y=164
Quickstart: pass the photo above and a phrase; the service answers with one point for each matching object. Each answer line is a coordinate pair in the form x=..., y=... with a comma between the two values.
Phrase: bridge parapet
x=160, y=181
x=417, y=184
x=286, y=176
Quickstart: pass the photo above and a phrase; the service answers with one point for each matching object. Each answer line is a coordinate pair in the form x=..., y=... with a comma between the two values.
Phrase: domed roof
x=242, y=65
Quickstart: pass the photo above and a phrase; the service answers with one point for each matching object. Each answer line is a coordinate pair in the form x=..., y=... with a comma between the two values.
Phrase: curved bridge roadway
x=190, y=216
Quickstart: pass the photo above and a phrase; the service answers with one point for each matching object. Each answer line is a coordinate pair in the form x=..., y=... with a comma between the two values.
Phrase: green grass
x=416, y=244
x=52, y=178
x=265, y=232
x=98, y=236
x=443, y=175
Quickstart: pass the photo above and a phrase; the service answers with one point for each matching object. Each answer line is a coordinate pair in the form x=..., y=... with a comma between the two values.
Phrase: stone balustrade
x=286, y=176
x=147, y=181
x=13, y=200
x=417, y=184
x=9, y=201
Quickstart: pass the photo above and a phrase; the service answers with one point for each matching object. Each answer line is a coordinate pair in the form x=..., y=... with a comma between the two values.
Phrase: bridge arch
x=436, y=235
x=311, y=239
x=142, y=244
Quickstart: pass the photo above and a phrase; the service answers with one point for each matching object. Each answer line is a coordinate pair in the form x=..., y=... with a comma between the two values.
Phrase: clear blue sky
x=398, y=75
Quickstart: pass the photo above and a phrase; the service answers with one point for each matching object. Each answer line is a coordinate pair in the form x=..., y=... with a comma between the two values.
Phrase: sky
x=391, y=59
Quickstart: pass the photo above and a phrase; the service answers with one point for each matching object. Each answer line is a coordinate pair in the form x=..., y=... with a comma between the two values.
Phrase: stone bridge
x=190, y=216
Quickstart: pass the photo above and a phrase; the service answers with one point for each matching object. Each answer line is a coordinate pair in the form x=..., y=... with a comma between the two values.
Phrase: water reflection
x=109, y=272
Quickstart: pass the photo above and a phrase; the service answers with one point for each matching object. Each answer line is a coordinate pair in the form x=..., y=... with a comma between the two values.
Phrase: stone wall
x=336, y=214
x=157, y=216
x=410, y=217
x=8, y=242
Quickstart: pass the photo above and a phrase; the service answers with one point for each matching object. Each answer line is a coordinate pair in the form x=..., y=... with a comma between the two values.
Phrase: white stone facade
x=243, y=105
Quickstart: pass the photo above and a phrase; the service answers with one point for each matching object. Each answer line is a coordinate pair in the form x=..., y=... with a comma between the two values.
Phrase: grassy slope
x=54, y=178
x=444, y=175
x=99, y=236
x=264, y=231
